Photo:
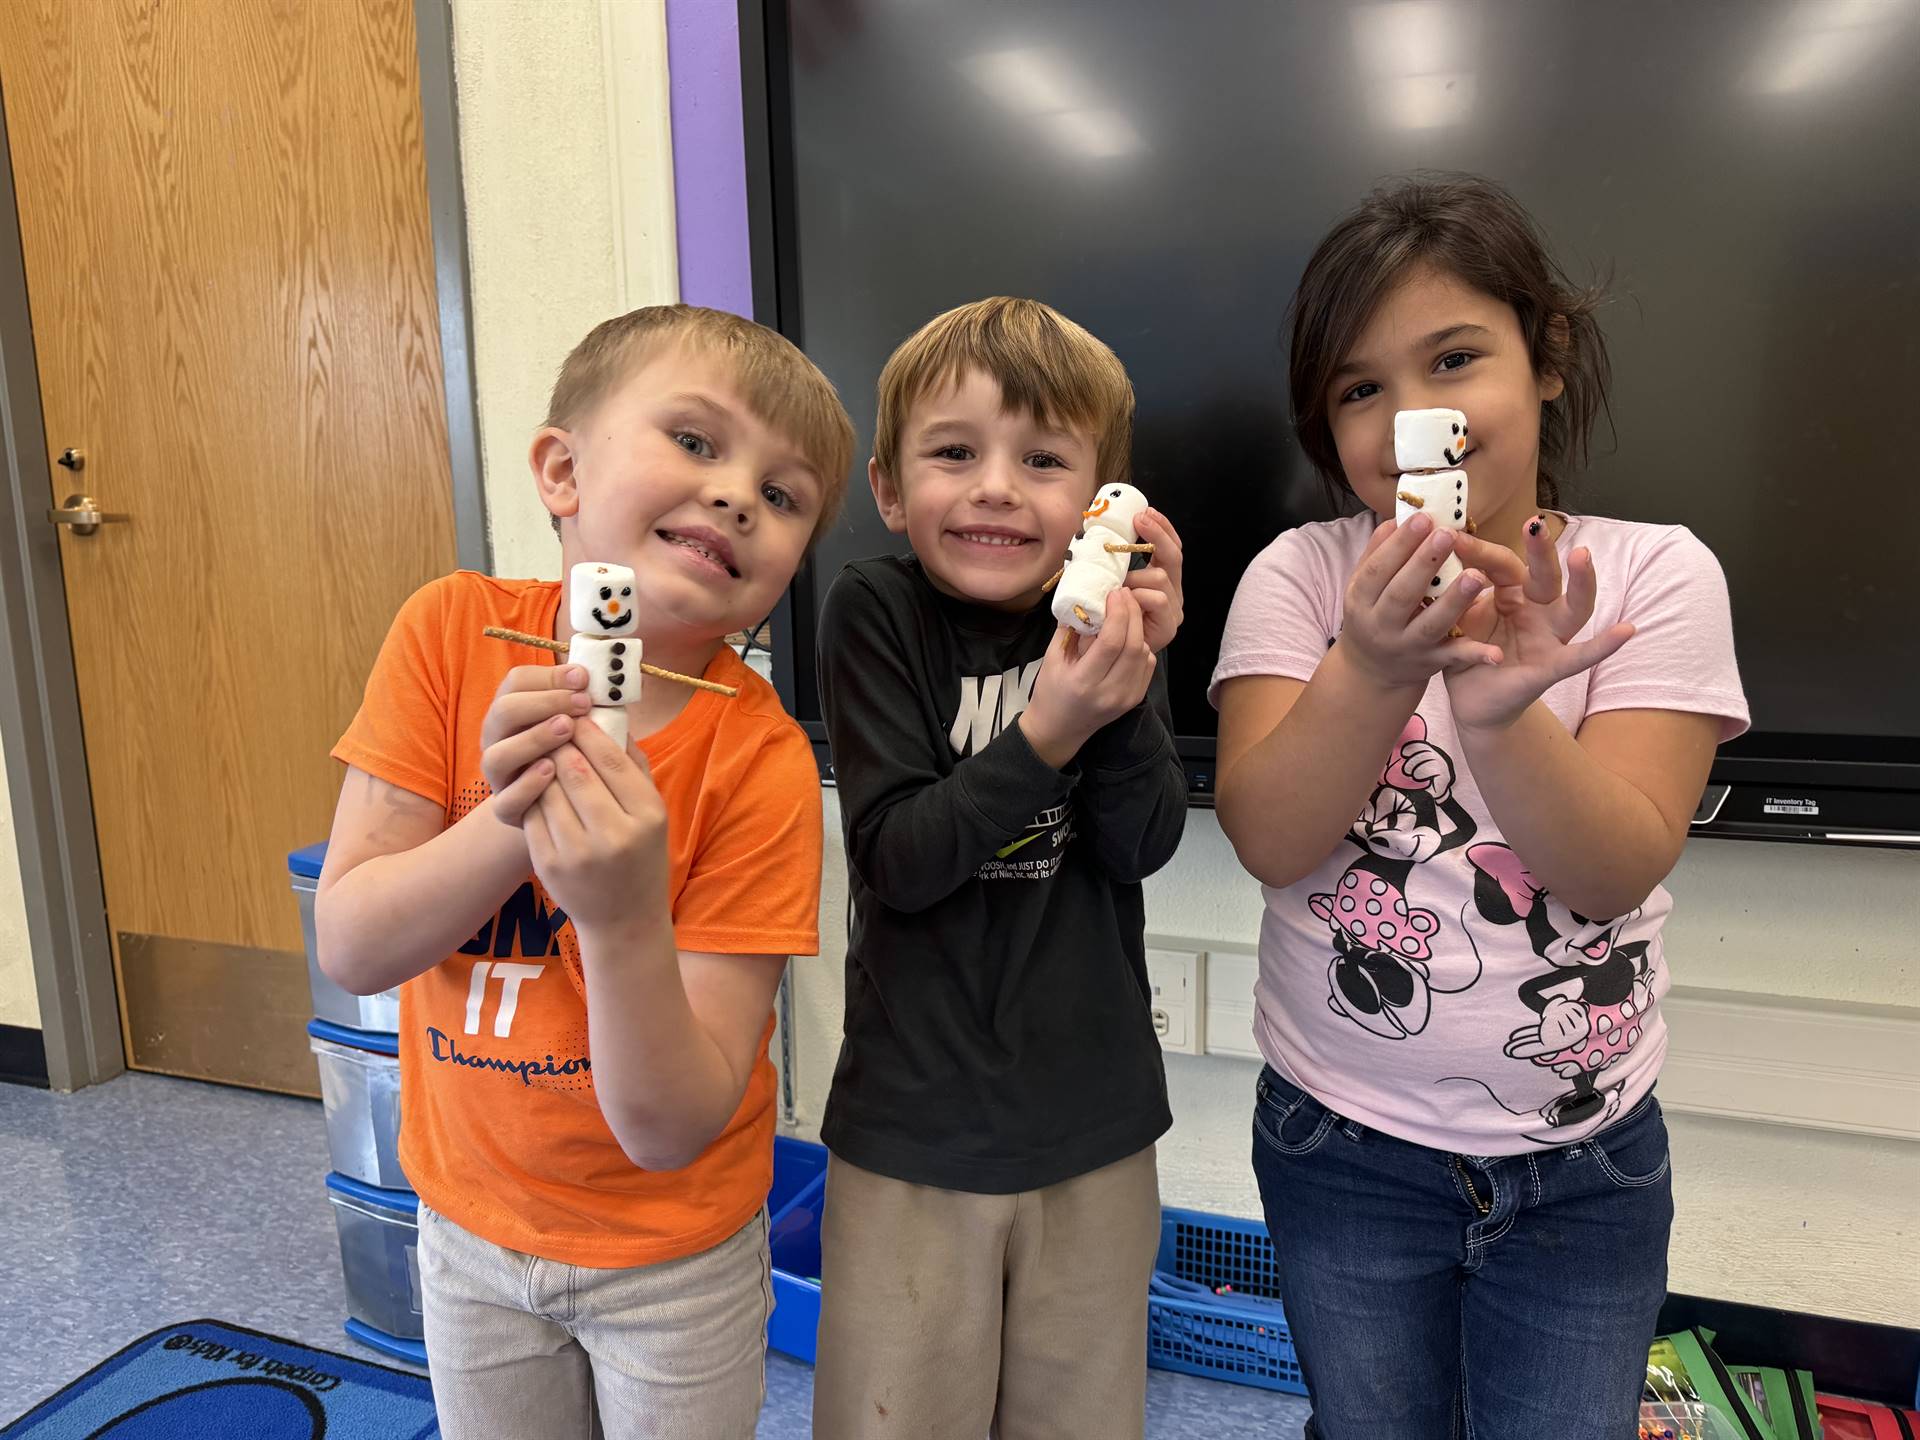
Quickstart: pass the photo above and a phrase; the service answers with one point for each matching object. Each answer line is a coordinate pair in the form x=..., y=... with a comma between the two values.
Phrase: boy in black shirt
x=992, y=1202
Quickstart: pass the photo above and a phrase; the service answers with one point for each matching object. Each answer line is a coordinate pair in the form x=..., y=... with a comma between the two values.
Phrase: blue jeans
x=1435, y=1296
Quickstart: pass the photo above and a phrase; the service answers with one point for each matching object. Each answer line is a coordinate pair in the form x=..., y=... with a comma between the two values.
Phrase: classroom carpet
x=201, y=1378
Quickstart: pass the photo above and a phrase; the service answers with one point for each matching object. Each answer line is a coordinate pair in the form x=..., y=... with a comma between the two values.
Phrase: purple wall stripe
x=709, y=154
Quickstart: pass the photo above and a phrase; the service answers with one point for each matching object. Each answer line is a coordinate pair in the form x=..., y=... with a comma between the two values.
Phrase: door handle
x=83, y=515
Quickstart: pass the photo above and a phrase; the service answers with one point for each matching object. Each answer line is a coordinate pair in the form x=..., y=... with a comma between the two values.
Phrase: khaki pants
x=945, y=1314
x=522, y=1346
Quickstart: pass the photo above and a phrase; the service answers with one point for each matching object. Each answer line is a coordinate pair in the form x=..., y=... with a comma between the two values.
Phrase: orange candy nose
x=613, y=607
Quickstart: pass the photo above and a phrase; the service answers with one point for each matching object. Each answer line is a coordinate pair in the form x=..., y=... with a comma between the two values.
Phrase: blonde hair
x=778, y=383
x=1045, y=365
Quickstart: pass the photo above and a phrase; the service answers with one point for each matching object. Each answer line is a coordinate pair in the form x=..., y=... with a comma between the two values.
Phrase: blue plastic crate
x=795, y=1203
x=796, y=1165
x=414, y=1352
x=1209, y=1339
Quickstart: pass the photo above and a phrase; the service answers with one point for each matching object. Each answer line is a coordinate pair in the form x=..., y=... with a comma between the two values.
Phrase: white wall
x=557, y=231
x=19, y=1004
x=1810, y=1220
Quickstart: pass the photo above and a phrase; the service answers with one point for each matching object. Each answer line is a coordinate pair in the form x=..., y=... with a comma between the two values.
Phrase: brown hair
x=1045, y=365
x=778, y=383
x=1474, y=230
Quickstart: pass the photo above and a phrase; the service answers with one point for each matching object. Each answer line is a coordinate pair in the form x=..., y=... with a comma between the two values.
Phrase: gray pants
x=524, y=1346
x=946, y=1314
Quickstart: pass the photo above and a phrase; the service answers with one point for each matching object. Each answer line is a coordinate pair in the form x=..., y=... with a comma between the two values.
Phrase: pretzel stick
x=1129, y=549
x=1414, y=500
x=1047, y=589
x=540, y=642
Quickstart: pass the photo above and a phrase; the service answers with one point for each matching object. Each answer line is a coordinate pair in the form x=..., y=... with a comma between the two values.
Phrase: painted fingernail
x=1535, y=526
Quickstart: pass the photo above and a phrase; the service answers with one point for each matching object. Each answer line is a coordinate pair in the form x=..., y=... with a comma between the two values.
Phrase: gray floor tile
x=147, y=1201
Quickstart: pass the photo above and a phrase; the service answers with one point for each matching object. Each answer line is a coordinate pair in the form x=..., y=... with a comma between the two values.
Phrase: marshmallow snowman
x=600, y=600
x=1092, y=572
x=1428, y=445
x=1429, y=439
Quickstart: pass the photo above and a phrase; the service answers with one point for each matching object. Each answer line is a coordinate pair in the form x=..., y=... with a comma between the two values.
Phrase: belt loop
x=1354, y=1130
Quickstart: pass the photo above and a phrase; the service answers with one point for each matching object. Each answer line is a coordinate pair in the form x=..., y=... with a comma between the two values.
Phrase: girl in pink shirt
x=1461, y=815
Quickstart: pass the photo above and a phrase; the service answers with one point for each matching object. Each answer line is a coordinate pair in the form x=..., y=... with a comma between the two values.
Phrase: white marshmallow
x=1090, y=576
x=600, y=599
x=1444, y=501
x=1429, y=439
x=612, y=664
x=1114, y=508
x=1092, y=573
x=613, y=720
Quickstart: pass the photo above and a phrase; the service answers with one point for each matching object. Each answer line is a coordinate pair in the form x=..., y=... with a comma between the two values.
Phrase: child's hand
x=1532, y=624
x=598, y=835
x=1157, y=585
x=1386, y=633
x=534, y=713
x=1084, y=684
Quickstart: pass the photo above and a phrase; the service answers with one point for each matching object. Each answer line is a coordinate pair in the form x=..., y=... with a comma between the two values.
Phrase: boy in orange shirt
x=591, y=937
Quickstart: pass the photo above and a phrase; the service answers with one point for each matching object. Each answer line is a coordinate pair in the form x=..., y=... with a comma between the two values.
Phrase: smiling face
x=989, y=499
x=600, y=599
x=671, y=476
x=1436, y=343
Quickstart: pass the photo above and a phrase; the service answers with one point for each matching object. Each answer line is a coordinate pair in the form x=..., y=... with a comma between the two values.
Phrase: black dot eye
x=606, y=593
x=627, y=591
x=1456, y=429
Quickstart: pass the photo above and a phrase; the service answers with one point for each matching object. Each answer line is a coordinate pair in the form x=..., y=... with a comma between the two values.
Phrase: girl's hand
x=1532, y=625
x=1157, y=586
x=598, y=835
x=1387, y=634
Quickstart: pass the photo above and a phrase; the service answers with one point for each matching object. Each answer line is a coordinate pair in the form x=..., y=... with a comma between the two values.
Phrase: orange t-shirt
x=501, y=1131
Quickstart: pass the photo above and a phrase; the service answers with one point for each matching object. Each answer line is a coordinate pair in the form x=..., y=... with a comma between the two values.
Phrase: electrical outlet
x=1178, y=1010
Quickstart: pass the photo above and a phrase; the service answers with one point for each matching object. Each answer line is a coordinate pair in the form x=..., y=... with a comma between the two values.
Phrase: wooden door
x=230, y=273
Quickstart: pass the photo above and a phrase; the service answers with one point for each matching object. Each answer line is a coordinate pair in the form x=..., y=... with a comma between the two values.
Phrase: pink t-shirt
x=1421, y=981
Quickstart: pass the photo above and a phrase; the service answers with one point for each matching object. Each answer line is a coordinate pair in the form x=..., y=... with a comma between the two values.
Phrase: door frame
x=40, y=726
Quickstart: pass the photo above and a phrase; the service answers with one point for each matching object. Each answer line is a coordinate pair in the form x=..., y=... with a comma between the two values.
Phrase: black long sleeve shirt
x=998, y=1027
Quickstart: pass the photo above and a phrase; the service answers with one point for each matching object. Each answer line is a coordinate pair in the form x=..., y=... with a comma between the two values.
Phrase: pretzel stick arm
x=540, y=642
x=520, y=637
x=713, y=686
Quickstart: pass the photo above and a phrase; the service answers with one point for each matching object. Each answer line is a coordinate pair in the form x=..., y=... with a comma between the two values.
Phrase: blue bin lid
x=381, y=1042
x=306, y=861
x=398, y=1202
